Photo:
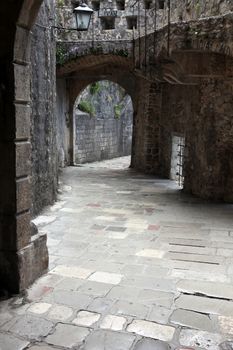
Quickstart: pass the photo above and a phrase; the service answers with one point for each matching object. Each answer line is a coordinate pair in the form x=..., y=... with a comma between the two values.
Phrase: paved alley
x=135, y=264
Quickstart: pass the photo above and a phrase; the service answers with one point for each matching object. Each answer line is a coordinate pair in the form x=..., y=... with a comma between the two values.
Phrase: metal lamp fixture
x=83, y=15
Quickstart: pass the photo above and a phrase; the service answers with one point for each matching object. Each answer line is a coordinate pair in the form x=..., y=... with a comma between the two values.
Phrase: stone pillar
x=208, y=168
x=145, y=155
x=22, y=258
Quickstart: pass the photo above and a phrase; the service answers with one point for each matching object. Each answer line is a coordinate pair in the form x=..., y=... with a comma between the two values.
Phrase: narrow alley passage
x=134, y=264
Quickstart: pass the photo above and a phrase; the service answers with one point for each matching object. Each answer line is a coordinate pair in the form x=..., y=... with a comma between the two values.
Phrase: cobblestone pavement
x=134, y=264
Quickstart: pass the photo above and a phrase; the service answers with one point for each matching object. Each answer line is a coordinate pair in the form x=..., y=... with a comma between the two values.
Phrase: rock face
x=43, y=122
x=106, y=132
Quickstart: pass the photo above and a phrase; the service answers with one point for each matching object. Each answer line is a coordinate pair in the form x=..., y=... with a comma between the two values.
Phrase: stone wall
x=145, y=155
x=99, y=139
x=107, y=133
x=43, y=120
x=211, y=143
x=142, y=17
x=203, y=115
x=63, y=123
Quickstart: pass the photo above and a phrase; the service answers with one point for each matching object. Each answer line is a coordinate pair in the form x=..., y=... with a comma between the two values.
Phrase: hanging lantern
x=83, y=15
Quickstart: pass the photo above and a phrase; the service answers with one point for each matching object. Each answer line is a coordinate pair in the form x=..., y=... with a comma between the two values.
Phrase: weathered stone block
x=86, y=318
x=22, y=120
x=22, y=82
x=189, y=337
x=102, y=339
x=22, y=45
x=151, y=330
x=23, y=230
x=23, y=195
x=212, y=289
x=28, y=13
x=30, y=326
x=68, y=336
x=205, y=305
x=23, y=163
x=150, y=344
x=193, y=320
x=33, y=261
x=10, y=342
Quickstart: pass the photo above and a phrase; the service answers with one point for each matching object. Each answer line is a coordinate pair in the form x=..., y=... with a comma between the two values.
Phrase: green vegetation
x=198, y=9
x=122, y=53
x=60, y=3
x=98, y=50
x=60, y=55
x=117, y=111
x=95, y=88
x=87, y=107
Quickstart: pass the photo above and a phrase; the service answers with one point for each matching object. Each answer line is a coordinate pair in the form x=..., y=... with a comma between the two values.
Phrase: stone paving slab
x=226, y=324
x=106, y=277
x=101, y=305
x=215, y=260
x=205, y=305
x=115, y=323
x=200, y=339
x=39, y=308
x=182, y=273
x=159, y=314
x=71, y=271
x=124, y=307
x=150, y=344
x=60, y=313
x=194, y=320
x=152, y=297
x=68, y=298
x=151, y=330
x=149, y=283
x=218, y=290
x=69, y=283
x=5, y=316
x=31, y=327
x=10, y=342
x=86, y=318
x=67, y=336
x=104, y=339
x=95, y=288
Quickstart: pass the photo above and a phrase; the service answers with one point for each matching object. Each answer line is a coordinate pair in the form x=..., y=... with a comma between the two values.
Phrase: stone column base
x=18, y=270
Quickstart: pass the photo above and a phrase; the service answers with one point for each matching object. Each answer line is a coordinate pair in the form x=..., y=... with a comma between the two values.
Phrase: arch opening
x=103, y=122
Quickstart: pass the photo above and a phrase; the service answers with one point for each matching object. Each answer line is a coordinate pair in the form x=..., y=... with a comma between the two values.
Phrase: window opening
x=95, y=5
x=107, y=23
x=120, y=5
x=131, y=22
x=147, y=4
x=161, y=4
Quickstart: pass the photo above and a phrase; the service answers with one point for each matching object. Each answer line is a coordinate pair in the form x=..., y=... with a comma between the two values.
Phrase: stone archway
x=22, y=258
x=74, y=76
